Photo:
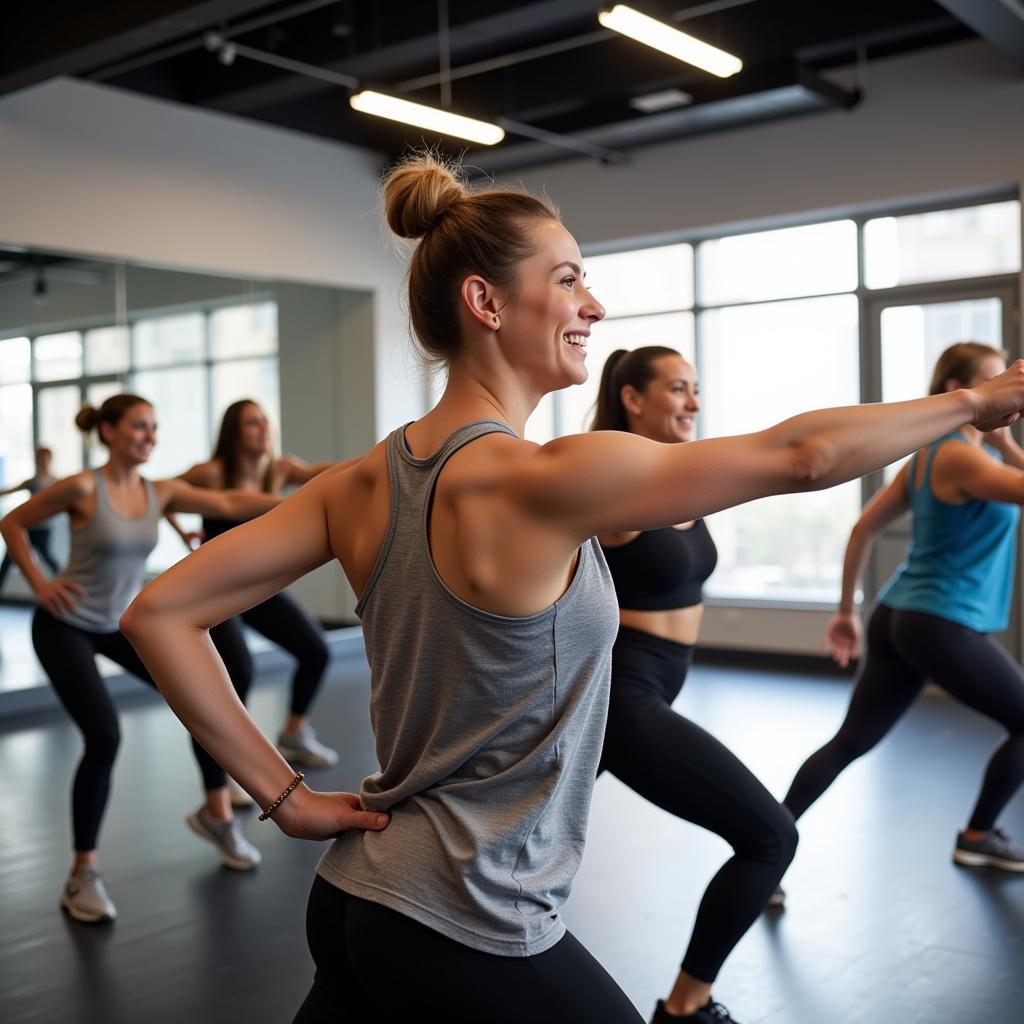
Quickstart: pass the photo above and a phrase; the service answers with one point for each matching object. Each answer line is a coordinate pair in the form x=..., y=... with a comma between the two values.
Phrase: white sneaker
x=85, y=897
x=304, y=748
x=235, y=850
x=238, y=796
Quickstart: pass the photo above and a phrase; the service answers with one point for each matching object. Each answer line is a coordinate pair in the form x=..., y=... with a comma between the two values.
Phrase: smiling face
x=253, y=430
x=546, y=321
x=132, y=438
x=666, y=410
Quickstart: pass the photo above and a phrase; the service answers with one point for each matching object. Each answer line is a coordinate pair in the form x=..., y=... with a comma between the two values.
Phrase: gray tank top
x=488, y=732
x=108, y=558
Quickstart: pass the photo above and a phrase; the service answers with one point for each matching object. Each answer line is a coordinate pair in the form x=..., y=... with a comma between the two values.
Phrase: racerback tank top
x=488, y=733
x=108, y=560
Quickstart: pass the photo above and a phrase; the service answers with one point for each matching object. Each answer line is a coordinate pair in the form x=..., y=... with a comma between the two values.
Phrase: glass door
x=908, y=329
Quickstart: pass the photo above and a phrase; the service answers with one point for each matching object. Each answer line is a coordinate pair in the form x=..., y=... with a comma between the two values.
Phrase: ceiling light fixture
x=660, y=36
x=655, y=102
x=442, y=121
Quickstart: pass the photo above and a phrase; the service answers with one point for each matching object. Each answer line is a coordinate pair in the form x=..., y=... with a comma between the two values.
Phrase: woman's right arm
x=57, y=596
x=888, y=504
x=608, y=481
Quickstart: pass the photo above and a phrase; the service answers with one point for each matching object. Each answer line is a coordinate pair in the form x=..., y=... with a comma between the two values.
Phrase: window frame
x=868, y=299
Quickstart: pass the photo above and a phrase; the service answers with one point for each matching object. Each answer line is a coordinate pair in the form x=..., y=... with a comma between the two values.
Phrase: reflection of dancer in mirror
x=39, y=535
x=664, y=757
x=244, y=458
x=934, y=619
x=114, y=514
x=489, y=617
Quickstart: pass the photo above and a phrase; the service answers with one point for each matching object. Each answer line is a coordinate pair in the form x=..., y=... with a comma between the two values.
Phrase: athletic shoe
x=996, y=850
x=304, y=748
x=711, y=1013
x=777, y=900
x=235, y=850
x=238, y=796
x=85, y=897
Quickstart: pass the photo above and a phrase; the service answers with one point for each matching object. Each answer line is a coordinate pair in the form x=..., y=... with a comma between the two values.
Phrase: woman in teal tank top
x=935, y=618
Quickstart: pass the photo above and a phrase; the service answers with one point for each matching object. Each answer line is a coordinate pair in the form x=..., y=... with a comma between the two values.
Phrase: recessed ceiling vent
x=654, y=102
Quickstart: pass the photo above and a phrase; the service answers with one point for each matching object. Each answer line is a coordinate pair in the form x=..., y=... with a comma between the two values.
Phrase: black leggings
x=283, y=621
x=376, y=965
x=903, y=651
x=68, y=656
x=687, y=772
x=40, y=540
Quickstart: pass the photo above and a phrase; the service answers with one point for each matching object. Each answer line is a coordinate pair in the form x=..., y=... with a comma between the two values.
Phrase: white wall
x=948, y=121
x=94, y=170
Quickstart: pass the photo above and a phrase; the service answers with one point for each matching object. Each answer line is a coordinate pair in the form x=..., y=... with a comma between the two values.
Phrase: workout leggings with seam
x=376, y=965
x=678, y=766
x=903, y=650
x=283, y=621
x=40, y=540
x=68, y=656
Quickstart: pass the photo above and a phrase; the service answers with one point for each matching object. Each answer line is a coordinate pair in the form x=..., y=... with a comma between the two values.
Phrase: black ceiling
x=561, y=83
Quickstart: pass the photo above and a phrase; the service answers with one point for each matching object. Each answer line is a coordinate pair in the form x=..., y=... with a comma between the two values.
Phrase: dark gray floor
x=880, y=925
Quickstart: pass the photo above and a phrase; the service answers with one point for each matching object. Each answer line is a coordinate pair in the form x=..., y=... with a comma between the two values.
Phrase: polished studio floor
x=880, y=925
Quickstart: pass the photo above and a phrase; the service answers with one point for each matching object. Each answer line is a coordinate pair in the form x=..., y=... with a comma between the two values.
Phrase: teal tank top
x=960, y=562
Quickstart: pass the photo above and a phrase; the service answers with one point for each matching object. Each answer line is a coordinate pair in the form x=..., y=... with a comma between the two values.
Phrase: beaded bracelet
x=284, y=796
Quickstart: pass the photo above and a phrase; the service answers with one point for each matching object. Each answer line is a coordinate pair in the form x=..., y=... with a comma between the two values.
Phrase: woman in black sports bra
x=665, y=758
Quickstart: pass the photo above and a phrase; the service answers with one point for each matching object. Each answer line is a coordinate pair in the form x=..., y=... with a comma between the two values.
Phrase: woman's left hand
x=307, y=814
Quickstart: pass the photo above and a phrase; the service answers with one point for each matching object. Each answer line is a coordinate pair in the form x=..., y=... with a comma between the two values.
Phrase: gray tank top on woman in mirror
x=488, y=732
x=108, y=560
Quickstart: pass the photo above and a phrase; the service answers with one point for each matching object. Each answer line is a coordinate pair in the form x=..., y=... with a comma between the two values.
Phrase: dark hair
x=43, y=450
x=90, y=418
x=623, y=367
x=461, y=233
x=229, y=443
x=961, y=361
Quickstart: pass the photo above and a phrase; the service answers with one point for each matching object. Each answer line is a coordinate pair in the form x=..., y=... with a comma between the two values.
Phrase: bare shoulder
x=205, y=474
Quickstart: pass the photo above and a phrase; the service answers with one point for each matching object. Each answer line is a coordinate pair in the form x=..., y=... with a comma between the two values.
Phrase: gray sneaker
x=85, y=897
x=240, y=800
x=235, y=850
x=777, y=900
x=304, y=748
x=996, y=850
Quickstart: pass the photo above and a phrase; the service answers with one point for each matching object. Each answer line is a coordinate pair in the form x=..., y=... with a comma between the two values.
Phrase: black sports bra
x=660, y=570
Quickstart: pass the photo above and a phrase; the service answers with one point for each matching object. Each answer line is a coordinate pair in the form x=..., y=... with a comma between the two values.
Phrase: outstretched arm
x=296, y=471
x=168, y=624
x=608, y=481
x=14, y=490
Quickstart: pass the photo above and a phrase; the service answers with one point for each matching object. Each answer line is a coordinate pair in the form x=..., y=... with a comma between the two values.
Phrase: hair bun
x=419, y=192
x=87, y=418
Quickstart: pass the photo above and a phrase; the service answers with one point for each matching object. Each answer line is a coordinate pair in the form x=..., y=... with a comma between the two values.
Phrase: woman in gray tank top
x=489, y=618
x=114, y=515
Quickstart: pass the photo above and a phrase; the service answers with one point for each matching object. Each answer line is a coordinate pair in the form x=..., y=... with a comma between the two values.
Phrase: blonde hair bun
x=419, y=192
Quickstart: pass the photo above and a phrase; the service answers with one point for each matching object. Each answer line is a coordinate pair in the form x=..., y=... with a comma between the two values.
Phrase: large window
x=190, y=364
x=775, y=324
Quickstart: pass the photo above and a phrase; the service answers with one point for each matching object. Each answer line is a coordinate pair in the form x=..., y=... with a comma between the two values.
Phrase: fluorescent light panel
x=442, y=121
x=660, y=36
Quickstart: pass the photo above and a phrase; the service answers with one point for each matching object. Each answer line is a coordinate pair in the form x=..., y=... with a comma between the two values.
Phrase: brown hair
x=90, y=418
x=461, y=233
x=229, y=442
x=960, y=362
x=623, y=367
